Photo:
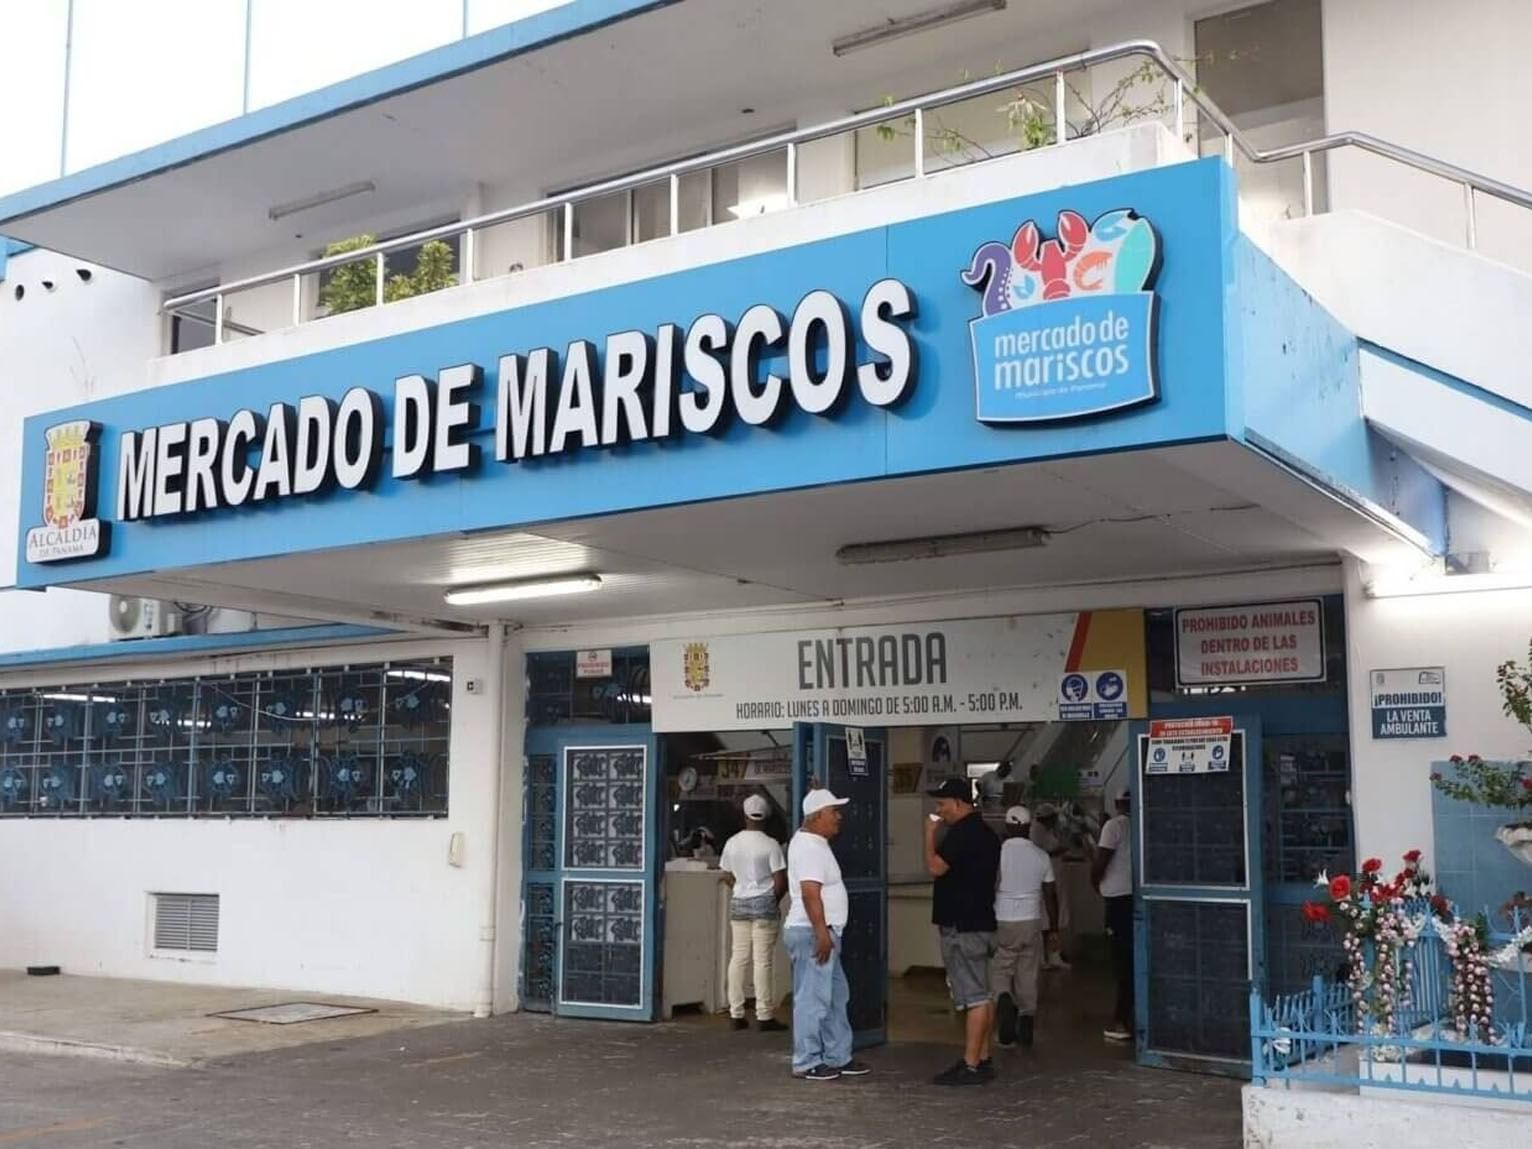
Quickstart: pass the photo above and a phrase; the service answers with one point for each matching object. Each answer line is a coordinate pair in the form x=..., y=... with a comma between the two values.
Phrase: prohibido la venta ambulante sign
x=1242, y=645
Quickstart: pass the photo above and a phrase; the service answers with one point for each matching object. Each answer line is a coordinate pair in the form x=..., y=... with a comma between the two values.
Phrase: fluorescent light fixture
x=319, y=199
x=1400, y=584
x=758, y=206
x=918, y=22
x=78, y=698
x=420, y=675
x=515, y=591
x=943, y=546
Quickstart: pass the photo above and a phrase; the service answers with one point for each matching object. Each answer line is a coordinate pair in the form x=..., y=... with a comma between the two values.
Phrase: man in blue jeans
x=812, y=934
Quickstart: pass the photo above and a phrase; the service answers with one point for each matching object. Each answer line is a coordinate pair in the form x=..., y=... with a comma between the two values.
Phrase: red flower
x=1372, y=865
x=1526, y=783
x=1436, y=776
x=1439, y=903
x=1340, y=887
x=1413, y=857
x=1313, y=912
x=1456, y=760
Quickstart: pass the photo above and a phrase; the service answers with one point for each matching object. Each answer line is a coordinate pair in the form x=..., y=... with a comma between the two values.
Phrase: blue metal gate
x=591, y=864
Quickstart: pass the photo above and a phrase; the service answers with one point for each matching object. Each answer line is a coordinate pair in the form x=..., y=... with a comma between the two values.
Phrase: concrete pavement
x=536, y=1083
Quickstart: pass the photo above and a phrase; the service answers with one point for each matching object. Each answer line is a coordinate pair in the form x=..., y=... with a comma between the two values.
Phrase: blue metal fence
x=1312, y=1039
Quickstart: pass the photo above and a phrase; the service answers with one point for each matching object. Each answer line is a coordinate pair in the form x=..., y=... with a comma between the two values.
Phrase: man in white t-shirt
x=754, y=866
x=1026, y=888
x=815, y=922
x=1112, y=872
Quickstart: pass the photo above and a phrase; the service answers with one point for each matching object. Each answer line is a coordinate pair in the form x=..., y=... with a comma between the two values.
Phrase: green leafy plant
x=1499, y=785
x=1142, y=94
x=353, y=286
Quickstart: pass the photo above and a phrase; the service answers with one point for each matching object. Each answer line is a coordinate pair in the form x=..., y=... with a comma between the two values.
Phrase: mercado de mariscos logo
x=70, y=529
x=1067, y=325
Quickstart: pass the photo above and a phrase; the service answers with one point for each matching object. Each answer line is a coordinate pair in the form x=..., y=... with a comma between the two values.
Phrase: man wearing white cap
x=1026, y=888
x=815, y=922
x=752, y=863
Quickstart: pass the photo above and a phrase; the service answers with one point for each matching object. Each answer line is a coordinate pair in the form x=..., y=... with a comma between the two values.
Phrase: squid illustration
x=1117, y=253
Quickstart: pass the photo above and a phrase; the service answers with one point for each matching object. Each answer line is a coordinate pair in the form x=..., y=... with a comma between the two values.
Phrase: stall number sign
x=1189, y=746
x=856, y=752
x=1242, y=645
x=1409, y=703
x=593, y=664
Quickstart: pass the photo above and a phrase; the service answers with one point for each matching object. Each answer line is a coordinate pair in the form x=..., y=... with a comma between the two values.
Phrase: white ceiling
x=1133, y=516
x=663, y=84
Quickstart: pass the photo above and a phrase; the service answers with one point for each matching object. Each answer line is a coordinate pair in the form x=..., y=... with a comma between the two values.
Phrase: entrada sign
x=641, y=386
x=1067, y=325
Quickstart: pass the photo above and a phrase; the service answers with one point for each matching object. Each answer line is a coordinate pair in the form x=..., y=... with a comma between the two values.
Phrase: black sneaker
x=1005, y=1009
x=819, y=1073
x=987, y=1068
x=771, y=1025
x=854, y=1069
x=1025, y=1030
x=963, y=1074
x=737, y=1023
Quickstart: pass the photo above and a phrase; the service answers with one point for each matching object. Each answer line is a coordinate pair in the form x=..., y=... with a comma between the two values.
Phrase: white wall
x=78, y=342
x=1444, y=79
x=1469, y=635
x=367, y=906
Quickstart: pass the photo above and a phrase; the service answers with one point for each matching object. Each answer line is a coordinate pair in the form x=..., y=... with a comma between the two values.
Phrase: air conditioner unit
x=142, y=617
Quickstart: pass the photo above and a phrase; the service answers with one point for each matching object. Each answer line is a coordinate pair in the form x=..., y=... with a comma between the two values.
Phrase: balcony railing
x=1144, y=53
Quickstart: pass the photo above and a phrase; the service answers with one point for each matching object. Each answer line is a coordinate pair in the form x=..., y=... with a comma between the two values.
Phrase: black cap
x=954, y=788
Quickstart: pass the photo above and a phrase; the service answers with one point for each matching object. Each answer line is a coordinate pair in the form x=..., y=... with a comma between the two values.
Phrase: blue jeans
x=821, y=1029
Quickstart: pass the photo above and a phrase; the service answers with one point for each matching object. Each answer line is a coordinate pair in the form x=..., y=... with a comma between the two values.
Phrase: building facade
x=433, y=489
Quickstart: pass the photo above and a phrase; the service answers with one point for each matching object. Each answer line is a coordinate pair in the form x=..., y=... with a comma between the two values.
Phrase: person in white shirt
x=1046, y=836
x=1112, y=872
x=754, y=867
x=812, y=933
x=1025, y=890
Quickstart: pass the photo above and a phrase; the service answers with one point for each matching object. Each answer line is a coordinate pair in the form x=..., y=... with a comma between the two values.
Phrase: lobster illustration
x=1116, y=253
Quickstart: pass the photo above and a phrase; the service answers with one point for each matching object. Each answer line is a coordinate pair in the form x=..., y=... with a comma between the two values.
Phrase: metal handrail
x=917, y=106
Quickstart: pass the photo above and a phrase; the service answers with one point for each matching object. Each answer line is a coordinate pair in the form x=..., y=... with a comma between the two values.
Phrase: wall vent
x=186, y=922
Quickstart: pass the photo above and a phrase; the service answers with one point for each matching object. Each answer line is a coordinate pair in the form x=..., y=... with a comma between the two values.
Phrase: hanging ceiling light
x=909, y=25
x=525, y=589
x=943, y=546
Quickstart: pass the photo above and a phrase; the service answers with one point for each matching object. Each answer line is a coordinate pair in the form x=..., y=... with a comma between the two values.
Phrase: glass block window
x=542, y=834
x=603, y=943
x=348, y=741
x=541, y=946
x=604, y=799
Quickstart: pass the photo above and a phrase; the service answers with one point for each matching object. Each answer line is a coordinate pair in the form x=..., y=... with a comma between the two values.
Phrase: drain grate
x=292, y=1012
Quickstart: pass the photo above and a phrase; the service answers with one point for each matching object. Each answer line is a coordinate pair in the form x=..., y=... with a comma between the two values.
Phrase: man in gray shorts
x=965, y=865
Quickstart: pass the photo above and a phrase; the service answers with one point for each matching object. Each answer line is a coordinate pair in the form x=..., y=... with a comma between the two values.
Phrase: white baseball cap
x=817, y=800
x=756, y=808
x=1018, y=816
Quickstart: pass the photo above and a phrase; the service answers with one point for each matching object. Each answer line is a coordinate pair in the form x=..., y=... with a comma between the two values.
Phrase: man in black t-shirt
x=965, y=866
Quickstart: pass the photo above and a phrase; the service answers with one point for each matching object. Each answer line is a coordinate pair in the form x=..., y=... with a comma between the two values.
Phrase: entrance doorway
x=1064, y=772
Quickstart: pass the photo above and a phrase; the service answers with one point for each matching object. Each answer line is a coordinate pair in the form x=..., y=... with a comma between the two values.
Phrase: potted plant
x=1501, y=785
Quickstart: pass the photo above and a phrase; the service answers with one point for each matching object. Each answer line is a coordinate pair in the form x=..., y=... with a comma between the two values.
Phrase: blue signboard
x=1066, y=328
x=839, y=360
x=1409, y=703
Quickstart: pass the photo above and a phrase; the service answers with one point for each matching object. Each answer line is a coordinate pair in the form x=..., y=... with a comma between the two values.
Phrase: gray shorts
x=966, y=956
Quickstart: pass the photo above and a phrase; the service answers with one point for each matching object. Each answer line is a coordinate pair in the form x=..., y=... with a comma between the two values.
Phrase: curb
x=11, y=1042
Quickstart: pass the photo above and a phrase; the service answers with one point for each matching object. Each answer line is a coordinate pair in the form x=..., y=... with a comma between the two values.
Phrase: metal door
x=591, y=842
x=1199, y=925
x=821, y=757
